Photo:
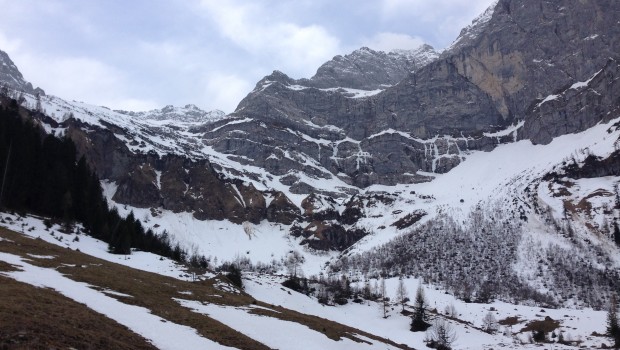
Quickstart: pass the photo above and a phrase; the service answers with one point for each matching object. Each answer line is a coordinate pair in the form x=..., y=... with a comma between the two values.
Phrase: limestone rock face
x=139, y=187
x=326, y=236
x=172, y=182
x=576, y=108
x=528, y=50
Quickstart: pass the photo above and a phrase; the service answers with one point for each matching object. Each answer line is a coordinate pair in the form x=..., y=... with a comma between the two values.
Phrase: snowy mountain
x=490, y=171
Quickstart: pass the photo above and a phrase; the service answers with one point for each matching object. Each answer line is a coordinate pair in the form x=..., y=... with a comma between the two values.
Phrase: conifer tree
x=613, y=328
x=418, y=320
x=616, y=234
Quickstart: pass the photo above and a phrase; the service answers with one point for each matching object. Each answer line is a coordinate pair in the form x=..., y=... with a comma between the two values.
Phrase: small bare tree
x=384, y=298
x=293, y=261
x=402, y=295
x=450, y=310
x=441, y=335
x=248, y=229
x=489, y=323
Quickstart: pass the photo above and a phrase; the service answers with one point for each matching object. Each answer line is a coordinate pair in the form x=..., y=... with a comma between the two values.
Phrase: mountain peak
x=368, y=69
x=475, y=28
x=11, y=77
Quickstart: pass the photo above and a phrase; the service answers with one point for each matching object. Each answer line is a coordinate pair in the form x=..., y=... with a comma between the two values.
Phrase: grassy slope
x=149, y=290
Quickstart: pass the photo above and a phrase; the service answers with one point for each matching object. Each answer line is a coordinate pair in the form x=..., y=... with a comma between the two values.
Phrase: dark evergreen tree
x=234, y=275
x=613, y=328
x=418, y=319
x=616, y=234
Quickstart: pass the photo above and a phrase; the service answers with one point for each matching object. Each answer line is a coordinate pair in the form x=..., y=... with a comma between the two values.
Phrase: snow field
x=575, y=324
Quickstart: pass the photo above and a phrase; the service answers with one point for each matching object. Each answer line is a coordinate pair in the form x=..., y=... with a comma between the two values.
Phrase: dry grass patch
x=510, y=321
x=37, y=318
x=547, y=325
x=149, y=290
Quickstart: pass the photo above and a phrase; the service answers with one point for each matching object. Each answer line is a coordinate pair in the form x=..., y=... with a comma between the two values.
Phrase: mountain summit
x=11, y=77
x=367, y=69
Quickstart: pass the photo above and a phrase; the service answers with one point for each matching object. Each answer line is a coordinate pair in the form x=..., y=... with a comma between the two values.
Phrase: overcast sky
x=145, y=54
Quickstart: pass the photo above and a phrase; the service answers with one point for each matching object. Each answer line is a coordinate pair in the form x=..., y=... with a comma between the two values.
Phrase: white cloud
x=79, y=78
x=225, y=91
x=444, y=17
x=9, y=45
x=433, y=10
x=387, y=41
x=133, y=104
x=289, y=46
x=213, y=52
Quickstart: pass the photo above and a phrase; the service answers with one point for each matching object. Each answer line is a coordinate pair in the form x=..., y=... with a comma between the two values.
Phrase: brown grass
x=37, y=318
x=510, y=321
x=547, y=325
x=155, y=292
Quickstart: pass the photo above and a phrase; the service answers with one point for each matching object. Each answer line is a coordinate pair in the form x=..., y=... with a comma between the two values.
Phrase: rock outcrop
x=576, y=108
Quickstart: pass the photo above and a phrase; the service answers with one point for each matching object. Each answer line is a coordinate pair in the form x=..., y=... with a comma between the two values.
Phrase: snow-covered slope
x=202, y=303
x=502, y=182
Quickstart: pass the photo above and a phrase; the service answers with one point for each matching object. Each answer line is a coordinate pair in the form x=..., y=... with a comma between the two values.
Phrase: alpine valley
x=484, y=177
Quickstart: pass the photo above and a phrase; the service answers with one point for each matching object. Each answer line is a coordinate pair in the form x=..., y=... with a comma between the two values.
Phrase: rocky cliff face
x=170, y=182
x=526, y=49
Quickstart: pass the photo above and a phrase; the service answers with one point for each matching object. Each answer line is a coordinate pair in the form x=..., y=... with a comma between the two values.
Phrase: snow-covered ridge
x=12, y=78
x=171, y=130
x=424, y=54
x=188, y=114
